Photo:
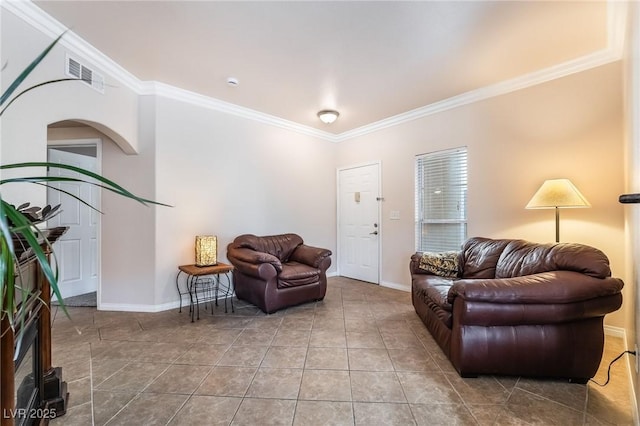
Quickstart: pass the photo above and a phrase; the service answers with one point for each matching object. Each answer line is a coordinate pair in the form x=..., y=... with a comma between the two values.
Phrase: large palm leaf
x=15, y=223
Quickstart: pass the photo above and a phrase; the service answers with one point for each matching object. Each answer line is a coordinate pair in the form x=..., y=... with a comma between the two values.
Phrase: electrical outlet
x=635, y=348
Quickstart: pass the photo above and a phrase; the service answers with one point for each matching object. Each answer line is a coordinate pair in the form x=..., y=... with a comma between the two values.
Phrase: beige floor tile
x=322, y=322
x=525, y=407
x=243, y=356
x=359, y=324
x=255, y=337
x=427, y=388
x=274, y=412
x=79, y=392
x=107, y=403
x=395, y=339
x=227, y=381
x=214, y=336
x=375, y=386
x=412, y=359
x=572, y=395
x=364, y=339
x=183, y=379
x=202, y=354
x=269, y=323
x=382, y=414
x=442, y=414
x=328, y=338
x=161, y=352
x=297, y=322
x=291, y=337
x=207, y=410
x=325, y=385
x=323, y=413
x=327, y=359
x=285, y=357
x=133, y=377
x=479, y=390
x=485, y=414
x=149, y=409
x=369, y=360
x=279, y=383
x=79, y=415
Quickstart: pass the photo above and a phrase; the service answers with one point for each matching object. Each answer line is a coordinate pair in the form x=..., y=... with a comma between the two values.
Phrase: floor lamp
x=557, y=194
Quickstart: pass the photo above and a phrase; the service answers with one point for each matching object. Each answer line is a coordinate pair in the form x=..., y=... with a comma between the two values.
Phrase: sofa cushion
x=444, y=264
x=479, y=257
x=521, y=258
x=295, y=274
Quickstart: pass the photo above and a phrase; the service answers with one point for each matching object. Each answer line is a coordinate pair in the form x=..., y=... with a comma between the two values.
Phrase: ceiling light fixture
x=328, y=116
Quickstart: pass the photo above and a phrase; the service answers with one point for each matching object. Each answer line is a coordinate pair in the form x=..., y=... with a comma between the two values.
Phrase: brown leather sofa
x=277, y=271
x=520, y=308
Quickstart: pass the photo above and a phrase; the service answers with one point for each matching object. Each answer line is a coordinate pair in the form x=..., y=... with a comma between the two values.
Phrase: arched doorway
x=78, y=252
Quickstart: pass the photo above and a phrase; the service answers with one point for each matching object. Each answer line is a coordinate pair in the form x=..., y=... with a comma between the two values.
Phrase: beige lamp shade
x=557, y=193
x=206, y=250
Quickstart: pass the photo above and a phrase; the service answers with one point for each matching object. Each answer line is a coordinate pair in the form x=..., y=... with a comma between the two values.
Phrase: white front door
x=77, y=250
x=359, y=222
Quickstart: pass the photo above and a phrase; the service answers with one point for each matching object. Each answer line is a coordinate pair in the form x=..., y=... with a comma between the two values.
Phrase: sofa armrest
x=545, y=288
x=414, y=265
x=312, y=256
x=248, y=256
x=262, y=271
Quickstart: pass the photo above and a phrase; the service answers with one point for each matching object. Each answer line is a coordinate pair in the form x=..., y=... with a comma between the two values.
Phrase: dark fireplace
x=28, y=380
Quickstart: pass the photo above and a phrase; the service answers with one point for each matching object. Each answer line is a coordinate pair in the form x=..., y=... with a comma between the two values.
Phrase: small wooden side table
x=203, y=285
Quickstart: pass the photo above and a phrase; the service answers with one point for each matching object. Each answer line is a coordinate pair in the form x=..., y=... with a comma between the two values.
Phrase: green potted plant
x=18, y=225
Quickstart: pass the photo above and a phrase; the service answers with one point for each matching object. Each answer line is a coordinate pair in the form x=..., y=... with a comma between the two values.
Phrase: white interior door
x=77, y=249
x=359, y=223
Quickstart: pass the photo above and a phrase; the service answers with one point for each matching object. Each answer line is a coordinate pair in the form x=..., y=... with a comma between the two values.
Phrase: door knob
x=373, y=233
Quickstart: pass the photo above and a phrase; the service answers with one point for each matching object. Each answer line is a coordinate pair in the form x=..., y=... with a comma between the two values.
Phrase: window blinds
x=441, y=200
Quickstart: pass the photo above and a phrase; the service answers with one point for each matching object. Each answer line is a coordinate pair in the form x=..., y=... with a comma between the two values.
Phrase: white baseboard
x=612, y=331
x=127, y=307
x=396, y=286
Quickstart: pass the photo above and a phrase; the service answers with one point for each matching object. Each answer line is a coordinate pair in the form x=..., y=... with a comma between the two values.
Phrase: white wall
x=571, y=127
x=228, y=176
x=128, y=272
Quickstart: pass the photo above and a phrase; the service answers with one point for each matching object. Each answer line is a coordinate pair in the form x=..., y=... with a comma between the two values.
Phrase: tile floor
x=360, y=357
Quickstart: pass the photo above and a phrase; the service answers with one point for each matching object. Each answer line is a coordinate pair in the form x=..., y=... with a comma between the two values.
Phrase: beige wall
x=228, y=176
x=571, y=127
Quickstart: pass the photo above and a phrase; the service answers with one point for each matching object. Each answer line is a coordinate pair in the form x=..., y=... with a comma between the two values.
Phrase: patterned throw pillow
x=444, y=264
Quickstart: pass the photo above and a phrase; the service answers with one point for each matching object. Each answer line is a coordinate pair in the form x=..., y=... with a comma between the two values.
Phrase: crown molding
x=40, y=20
x=557, y=71
x=175, y=93
x=46, y=24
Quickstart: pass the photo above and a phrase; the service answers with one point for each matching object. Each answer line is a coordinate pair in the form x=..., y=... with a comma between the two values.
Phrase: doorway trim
x=88, y=142
x=379, y=212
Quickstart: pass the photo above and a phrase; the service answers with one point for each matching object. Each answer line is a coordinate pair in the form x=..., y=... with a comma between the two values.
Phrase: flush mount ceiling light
x=328, y=116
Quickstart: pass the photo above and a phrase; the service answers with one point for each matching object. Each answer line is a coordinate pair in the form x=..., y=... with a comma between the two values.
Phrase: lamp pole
x=557, y=224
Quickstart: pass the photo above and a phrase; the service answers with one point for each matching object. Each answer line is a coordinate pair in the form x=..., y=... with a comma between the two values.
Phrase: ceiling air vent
x=75, y=69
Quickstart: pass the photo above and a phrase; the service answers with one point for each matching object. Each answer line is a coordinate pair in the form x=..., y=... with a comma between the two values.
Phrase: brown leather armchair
x=277, y=271
x=519, y=308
